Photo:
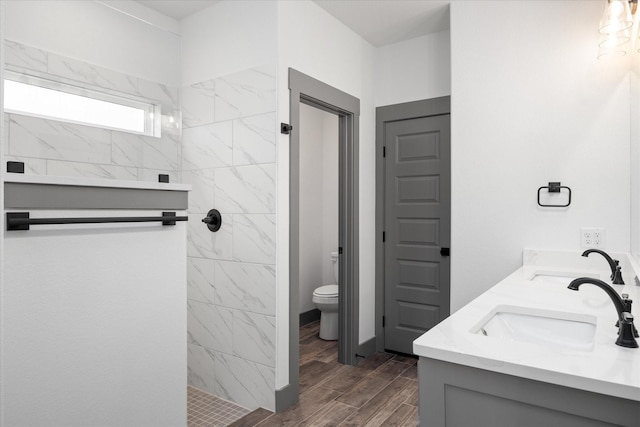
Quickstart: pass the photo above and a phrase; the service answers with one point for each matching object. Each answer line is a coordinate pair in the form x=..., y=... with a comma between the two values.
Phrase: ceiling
x=383, y=22
x=177, y=9
x=380, y=22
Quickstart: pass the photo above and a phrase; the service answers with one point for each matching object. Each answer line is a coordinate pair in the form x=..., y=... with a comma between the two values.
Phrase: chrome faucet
x=626, y=330
x=616, y=270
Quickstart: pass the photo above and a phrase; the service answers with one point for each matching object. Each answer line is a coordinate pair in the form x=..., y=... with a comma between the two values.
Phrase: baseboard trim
x=309, y=316
x=367, y=348
x=286, y=397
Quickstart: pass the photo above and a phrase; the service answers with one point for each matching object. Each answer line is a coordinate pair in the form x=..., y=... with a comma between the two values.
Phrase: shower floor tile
x=207, y=410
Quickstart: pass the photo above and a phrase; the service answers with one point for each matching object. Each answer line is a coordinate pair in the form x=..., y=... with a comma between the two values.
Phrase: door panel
x=417, y=226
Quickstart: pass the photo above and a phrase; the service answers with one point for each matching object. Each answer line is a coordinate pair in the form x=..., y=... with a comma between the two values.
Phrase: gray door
x=417, y=228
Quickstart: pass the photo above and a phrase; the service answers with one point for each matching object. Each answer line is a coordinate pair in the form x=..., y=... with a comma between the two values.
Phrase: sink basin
x=551, y=278
x=545, y=327
x=560, y=278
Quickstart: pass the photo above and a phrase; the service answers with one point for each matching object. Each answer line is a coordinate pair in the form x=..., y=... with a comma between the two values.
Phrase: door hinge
x=383, y=236
x=384, y=151
x=383, y=322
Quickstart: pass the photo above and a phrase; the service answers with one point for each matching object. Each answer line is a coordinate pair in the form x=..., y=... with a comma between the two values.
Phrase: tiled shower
x=226, y=150
x=229, y=158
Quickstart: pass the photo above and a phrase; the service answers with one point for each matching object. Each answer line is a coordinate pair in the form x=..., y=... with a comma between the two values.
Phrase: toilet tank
x=334, y=260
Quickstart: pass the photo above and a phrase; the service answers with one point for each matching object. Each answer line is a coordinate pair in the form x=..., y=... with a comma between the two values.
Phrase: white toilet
x=325, y=298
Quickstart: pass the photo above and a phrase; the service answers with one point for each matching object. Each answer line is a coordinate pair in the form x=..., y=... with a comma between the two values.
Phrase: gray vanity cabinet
x=455, y=395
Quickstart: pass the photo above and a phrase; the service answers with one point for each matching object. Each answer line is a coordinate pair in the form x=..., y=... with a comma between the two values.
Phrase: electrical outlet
x=592, y=238
x=598, y=237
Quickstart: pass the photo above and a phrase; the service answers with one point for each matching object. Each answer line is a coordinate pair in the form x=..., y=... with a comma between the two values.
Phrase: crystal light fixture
x=616, y=28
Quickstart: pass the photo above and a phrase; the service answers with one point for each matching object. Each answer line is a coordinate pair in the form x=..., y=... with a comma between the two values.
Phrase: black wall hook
x=213, y=220
x=285, y=128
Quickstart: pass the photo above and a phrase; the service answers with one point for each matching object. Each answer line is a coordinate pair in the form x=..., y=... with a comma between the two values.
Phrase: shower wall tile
x=245, y=286
x=173, y=136
x=203, y=243
x=59, y=148
x=163, y=94
x=31, y=166
x=200, y=279
x=208, y=146
x=151, y=175
x=127, y=150
x=245, y=93
x=201, y=368
x=254, y=337
x=5, y=134
x=22, y=56
x=246, y=189
x=49, y=139
x=254, y=238
x=91, y=170
x=201, y=197
x=228, y=156
x=197, y=104
x=209, y=326
x=254, y=140
x=245, y=382
x=146, y=151
x=91, y=74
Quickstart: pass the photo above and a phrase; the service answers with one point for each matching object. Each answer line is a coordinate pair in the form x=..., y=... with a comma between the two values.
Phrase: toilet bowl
x=325, y=298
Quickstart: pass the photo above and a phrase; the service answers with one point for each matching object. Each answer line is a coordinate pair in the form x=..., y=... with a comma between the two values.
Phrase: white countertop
x=605, y=368
x=91, y=182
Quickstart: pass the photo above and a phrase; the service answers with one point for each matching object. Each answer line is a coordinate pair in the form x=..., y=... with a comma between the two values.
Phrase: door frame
x=385, y=114
x=307, y=90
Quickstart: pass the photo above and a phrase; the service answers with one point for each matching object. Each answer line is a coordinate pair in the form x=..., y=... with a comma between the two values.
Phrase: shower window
x=39, y=97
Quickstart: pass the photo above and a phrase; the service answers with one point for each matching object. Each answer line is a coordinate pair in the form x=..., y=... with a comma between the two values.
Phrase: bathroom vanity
x=530, y=352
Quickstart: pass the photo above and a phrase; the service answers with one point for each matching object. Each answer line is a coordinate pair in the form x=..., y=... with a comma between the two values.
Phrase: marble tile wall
x=228, y=156
x=226, y=150
x=50, y=147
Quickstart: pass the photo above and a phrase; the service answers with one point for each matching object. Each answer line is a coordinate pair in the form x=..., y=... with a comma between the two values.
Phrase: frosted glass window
x=77, y=105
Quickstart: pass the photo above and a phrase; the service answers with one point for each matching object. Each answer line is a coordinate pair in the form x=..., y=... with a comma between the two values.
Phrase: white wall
x=97, y=34
x=313, y=42
x=635, y=157
x=412, y=70
x=531, y=104
x=2, y=160
x=94, y=324
x=319, y=201
x=330, y=192
x=241, y=35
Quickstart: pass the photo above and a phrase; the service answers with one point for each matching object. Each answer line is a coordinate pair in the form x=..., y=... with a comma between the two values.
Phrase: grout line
x=204, y=409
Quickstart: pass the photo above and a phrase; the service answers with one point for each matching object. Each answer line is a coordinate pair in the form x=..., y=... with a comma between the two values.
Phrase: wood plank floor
x=381, y=390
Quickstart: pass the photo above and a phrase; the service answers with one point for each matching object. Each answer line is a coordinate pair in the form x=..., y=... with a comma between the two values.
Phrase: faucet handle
x=617, y=276
x=616, y=265
x=627, y=307
x=627, y=332
x=626, y=304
